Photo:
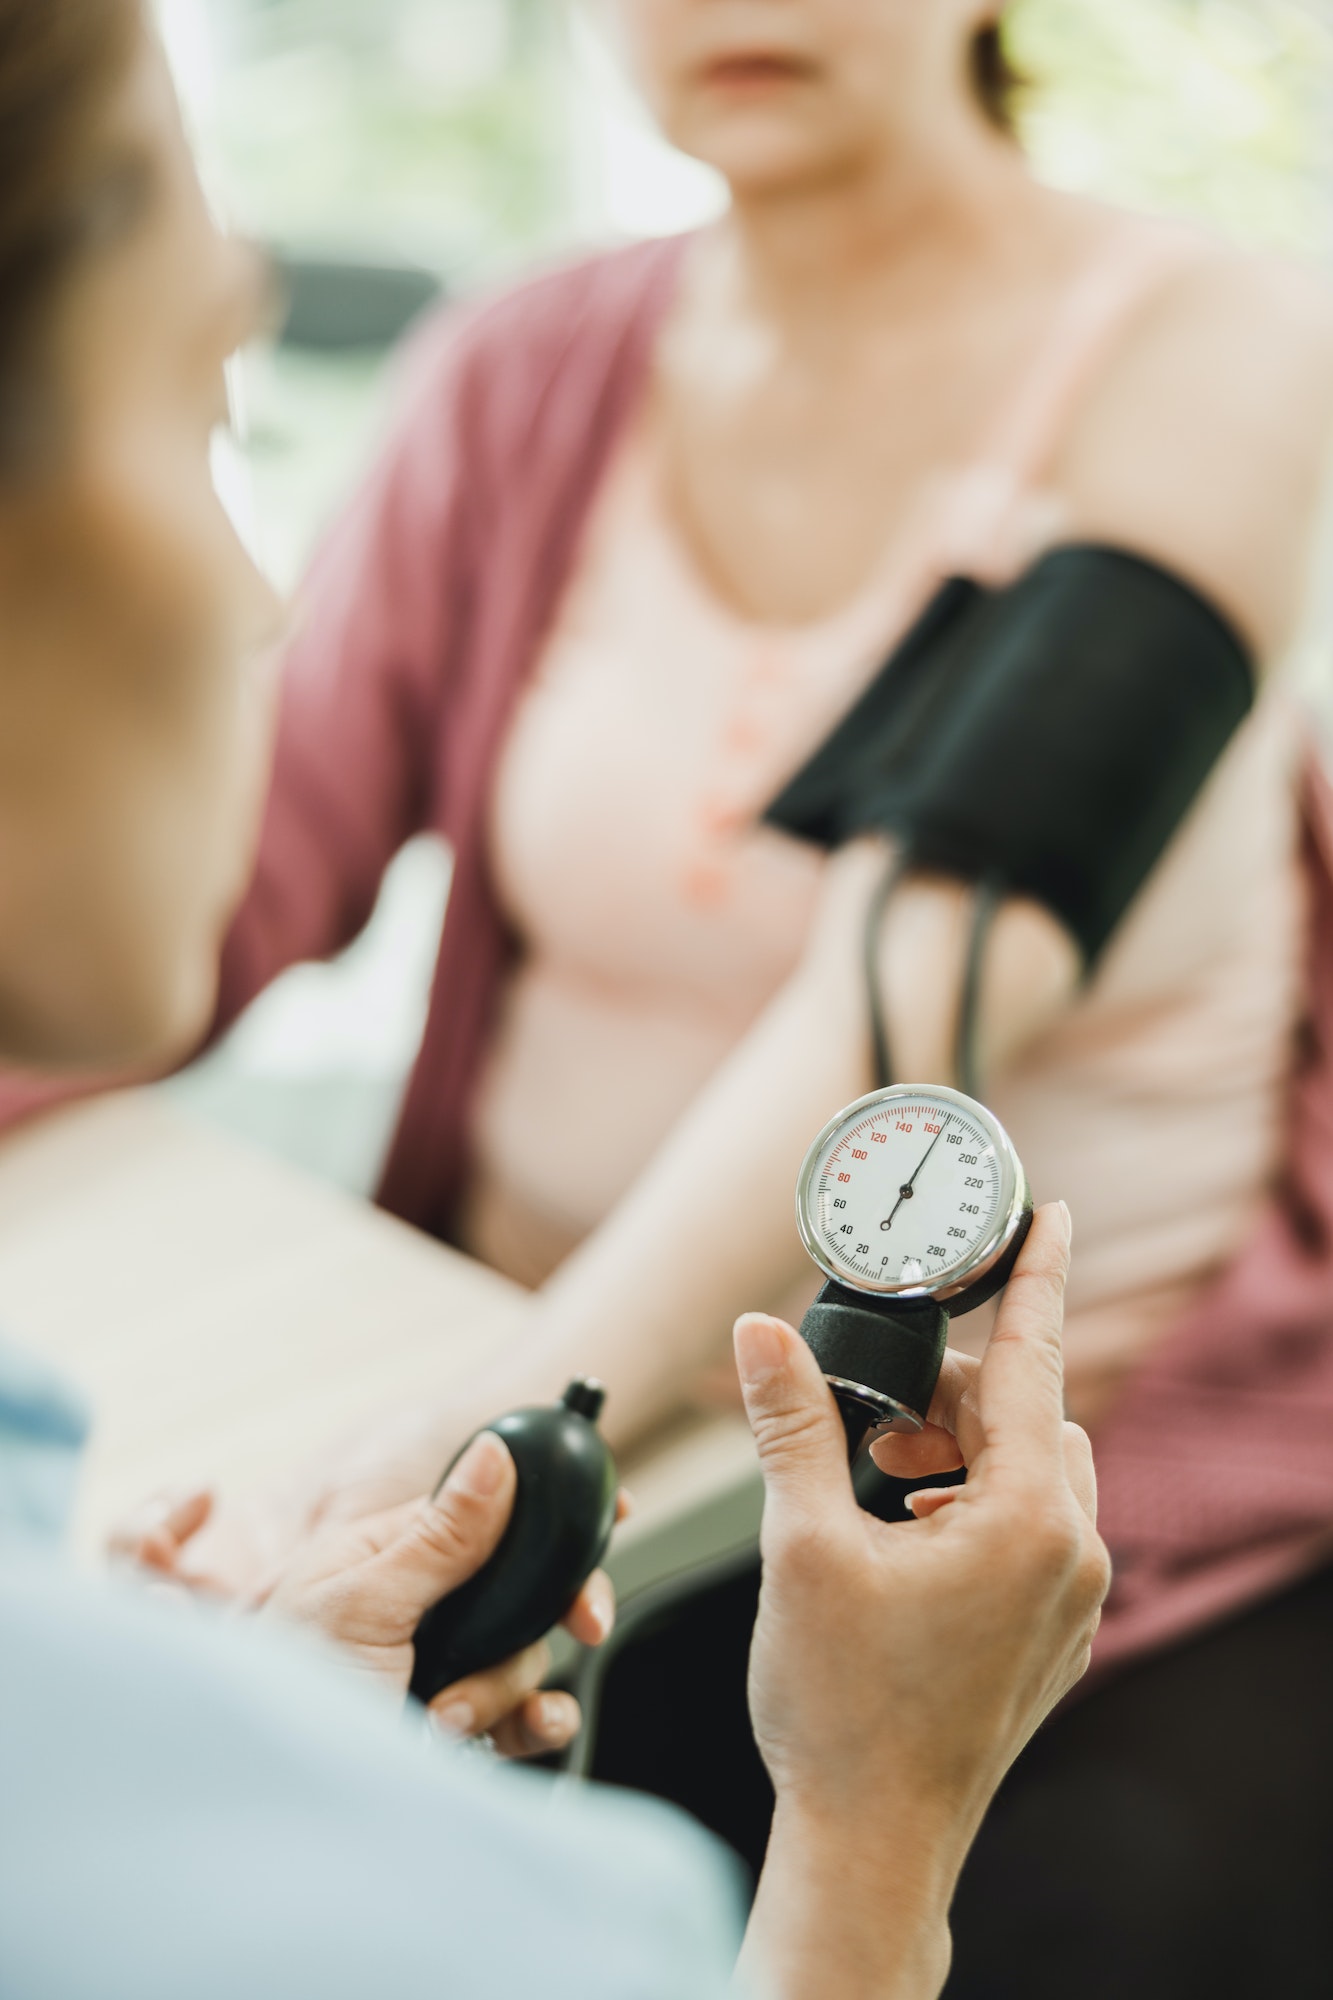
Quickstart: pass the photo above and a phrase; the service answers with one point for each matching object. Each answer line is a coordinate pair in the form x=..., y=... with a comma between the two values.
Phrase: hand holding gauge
x=913, y=1203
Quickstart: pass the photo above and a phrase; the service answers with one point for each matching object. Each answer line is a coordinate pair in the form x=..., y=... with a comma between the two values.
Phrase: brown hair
x=996, y=80
x=59, y=61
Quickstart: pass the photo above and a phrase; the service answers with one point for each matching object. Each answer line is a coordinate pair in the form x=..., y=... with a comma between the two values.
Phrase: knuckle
x=1053, y=1540
x=1094, y=1574
x=1077, y=1447
x=449, y=1529
x=536, y=1662
x=1041, y=1273
x=557, y=1719
x=504, y=1687
x=1040, y=1288
x=1079, y=1665
x=524, y=1673
x=523, y=1667
x=1045, y=1249
x=787, y=1430
x=1041, y=1349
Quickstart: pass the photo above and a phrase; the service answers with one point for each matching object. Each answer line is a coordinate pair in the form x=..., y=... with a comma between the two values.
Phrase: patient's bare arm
x=708, y=1229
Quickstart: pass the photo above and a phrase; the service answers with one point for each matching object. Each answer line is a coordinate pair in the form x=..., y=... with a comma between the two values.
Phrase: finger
x=144, y=1527
x=801, y=1441
x=156, y=1534
x=954, y=1400
x=479, y=1702
x=591, y=1616
x=624, y=1504
x=928, y=1500
x=954, y=1425
x=188, y=1514
x=541, y=1725
x=1020, y=1385
x=918, y=1455
x=242, y=1551
x=448, y=1537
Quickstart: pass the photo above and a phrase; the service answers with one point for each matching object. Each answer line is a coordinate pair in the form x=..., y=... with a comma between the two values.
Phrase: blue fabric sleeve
x=43, y=1427
x=189, y=1808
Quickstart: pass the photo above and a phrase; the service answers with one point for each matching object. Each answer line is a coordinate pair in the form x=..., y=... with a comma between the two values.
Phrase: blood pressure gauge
x=913, y=1203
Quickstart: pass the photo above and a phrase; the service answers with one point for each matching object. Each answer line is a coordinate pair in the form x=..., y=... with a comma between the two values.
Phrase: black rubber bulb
x=564, y=1511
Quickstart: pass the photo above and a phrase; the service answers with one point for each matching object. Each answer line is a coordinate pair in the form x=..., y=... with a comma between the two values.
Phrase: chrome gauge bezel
x=970, y=1270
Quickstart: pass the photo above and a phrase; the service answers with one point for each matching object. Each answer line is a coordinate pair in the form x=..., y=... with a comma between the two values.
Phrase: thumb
x=801, y=1441
x=448, y=1537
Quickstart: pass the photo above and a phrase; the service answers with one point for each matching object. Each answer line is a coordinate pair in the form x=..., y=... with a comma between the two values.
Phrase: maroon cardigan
x=424, y=614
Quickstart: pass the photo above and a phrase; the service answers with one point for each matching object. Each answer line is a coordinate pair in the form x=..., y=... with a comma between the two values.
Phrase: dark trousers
x=1169, y=1835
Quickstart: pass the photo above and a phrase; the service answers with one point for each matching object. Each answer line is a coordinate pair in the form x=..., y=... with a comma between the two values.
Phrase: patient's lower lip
x=754, y=72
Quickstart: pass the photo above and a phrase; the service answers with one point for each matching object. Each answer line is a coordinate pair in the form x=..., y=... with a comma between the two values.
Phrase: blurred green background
x=467, y=138
x=387, y=147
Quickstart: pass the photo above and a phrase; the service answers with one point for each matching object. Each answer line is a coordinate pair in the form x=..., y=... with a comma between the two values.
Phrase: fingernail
x=601, y=1608
x=481, y=1468
x=456, y=1718
x=761, y=1351
x=1063, y=1207
x=554, y=1716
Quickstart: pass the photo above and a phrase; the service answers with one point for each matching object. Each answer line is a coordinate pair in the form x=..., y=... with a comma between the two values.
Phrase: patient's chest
x=658, y=918
x=624, y=835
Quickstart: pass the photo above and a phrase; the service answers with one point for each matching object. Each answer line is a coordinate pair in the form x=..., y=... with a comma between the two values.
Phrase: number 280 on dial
x=913, y=1191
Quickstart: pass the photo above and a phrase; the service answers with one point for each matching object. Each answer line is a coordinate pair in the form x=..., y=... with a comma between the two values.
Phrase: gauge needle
x=905, y=1191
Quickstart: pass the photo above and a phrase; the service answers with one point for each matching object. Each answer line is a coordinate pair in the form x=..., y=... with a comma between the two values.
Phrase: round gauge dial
x=911, y=1192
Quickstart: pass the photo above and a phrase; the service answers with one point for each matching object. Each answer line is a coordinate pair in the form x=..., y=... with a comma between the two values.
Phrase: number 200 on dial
x=911, y=1191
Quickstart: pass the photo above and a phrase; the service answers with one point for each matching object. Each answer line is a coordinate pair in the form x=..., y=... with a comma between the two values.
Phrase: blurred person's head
x=130, y=740
x=781, y=95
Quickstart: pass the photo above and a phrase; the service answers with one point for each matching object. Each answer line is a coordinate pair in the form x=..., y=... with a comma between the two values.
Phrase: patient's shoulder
x=585, y=310
x=1206, y=440
x=528, y=380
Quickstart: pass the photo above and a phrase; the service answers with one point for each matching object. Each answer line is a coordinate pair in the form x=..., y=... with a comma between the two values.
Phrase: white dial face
x=904, y=1189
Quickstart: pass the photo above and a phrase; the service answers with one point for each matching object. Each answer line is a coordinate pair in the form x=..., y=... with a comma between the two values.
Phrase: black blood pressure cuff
x=1047, y=738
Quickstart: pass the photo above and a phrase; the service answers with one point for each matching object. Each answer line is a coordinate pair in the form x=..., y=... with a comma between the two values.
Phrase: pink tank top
x=659, y=919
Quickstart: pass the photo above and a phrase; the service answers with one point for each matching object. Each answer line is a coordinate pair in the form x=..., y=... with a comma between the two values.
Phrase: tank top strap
x=1088, y=321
